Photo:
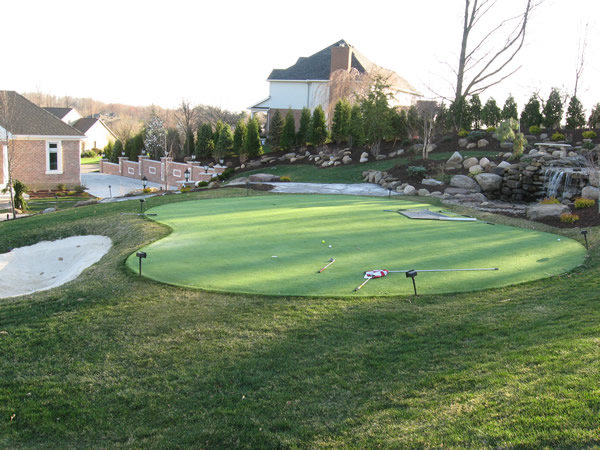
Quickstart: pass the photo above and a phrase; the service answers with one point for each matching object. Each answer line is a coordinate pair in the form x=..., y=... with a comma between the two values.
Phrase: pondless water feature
x=565, y=182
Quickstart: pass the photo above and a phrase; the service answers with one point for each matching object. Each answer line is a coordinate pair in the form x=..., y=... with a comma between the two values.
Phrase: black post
x=109, y=191
x=584, y=232
x=412, y=274
x=140, y=255
x=142, y=205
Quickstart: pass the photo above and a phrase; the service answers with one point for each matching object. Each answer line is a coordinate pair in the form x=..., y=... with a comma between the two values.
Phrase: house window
x=53, y=158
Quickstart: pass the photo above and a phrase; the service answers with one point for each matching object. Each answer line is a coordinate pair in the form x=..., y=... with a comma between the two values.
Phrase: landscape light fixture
x=206, y=168
x=193, y=157
x=186, y=174
x=141, y=255
x=584, y=232
x=123, y=153
x=109, y=191
x=142, y=205
x=144, y=182
x=412, y=274
x=389, y=193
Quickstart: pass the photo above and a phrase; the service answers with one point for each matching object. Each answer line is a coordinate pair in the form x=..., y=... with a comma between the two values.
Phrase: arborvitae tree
x=225, y=142
x=443, y=119
x=204, y=142
x=116, y=151
x=154, y=139
x=189, y=145
x=413, y=121
x=303, y=134
x=594, y=116
x=238, y=138
x=491, y=113
x=288, y=134
x=474, y=111
x=509, y=110
x=275, y=130
x=376, y=113
x=217, y=133
x=531, y=115
x=356, y=126
x=399, y=125
x=553, y=110
x=318, y=127
x=575, y=115
x=340, y=128
x=252, y=144
x=461, y=113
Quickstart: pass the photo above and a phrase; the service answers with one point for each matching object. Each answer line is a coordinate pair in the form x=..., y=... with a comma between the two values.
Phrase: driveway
x=97, y=184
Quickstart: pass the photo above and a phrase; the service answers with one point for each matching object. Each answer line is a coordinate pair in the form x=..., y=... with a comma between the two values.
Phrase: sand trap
x=47, y=265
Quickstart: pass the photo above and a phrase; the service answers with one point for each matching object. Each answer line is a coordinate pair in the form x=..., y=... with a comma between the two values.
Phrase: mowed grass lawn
x=112, y=360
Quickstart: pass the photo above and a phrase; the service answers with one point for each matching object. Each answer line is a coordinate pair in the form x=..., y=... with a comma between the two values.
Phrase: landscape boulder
x=469, y=162
x=475, y=169
x=432, y=182
x=464, y=182
x=489, y=182
x=462, y=142
x=410, y=190
x=263, y=178
x=543, y=211
x=364, y=157
x=346, y=159
x=456, y=158
x=481, y=143
x=590, y=192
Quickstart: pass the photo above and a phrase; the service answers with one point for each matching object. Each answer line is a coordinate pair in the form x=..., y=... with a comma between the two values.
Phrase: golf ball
x=329, y=245
x=323, y=241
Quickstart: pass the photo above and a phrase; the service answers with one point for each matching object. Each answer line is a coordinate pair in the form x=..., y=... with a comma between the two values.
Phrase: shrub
x=569, y=218
x=61, y=194
x=463, y=133
x=285, y=178
x=589, y=135
x=202, y=184
x=550, y=201
x=61, y=186
x=491, y=129
x=535, y=129
x=588, y=145
x=88, y=154
x=226, y=174
x=185, y=189
x=79, y=189
x=581, y=203
x=475, y=135
x=417, y=171
x=558, y=137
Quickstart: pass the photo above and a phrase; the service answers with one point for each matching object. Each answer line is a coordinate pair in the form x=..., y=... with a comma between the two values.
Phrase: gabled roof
x=84, y=124
x=58, y=112
x=318, y=66
x=24, y=118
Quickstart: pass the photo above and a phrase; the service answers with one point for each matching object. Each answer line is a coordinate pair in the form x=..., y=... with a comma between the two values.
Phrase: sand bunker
x=47, y=265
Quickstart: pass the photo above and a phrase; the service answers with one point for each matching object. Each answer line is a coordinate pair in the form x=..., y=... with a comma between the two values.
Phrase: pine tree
x=252, y=145
x=341, y=121
x=594, y=119
x=275, y=130
x=413, y=121
x=318, y=127
x=490, y=114
x=575, y=115
x=225, y=142
x=376, y=114
x=399, y=124
x=204, y=142
x=303, y=134
x=531, y=115
x=238, y=138
x=553, y=110
x=474, y=111
x=288, y=134
x=461, y=113
x=116, y=151
x=356, y=126
x=189, y=145
x=509, y=110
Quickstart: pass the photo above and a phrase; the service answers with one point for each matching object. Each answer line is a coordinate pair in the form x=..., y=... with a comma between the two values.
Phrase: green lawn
x=309, y=173
x=281, y=248
x=94, y=160
x=111, y=360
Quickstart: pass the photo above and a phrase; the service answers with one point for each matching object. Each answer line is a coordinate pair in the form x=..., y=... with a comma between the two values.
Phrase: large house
x=97, y=134
x=38, y=148
x=307, y=83
x=67, y=115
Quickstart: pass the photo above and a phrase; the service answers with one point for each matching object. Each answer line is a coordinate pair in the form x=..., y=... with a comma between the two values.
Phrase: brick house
x=42, y=150
x=307, y=83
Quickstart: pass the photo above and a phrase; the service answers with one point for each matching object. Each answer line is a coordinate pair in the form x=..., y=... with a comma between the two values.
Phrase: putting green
x=273, y=245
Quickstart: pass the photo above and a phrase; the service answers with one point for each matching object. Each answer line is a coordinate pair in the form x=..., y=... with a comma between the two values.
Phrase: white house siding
x=71, y=117
x=297, y=94
x=96, y=137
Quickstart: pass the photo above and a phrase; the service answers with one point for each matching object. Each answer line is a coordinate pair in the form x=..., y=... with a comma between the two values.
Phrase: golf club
x=331, y=261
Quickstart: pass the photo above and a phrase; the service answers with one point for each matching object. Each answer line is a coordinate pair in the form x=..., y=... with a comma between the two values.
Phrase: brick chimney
x=341, y=57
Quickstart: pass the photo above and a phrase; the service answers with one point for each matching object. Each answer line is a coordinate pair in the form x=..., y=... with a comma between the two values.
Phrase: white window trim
x=59, y=164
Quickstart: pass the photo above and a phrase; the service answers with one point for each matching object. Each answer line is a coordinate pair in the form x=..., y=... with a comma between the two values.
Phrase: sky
x=221, y=53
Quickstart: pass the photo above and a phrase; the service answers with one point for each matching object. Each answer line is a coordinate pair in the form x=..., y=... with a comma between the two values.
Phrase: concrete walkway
x=97, y=185
x=369, y=189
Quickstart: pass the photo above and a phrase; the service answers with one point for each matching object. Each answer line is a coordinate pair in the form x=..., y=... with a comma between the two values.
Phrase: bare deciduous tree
x=428, y=110
x=125, y=128
x=480, y=64
x=8, y=119
x=186, y=122
x=581, y=49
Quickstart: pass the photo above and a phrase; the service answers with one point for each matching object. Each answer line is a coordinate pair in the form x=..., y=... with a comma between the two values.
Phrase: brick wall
x=29, y=164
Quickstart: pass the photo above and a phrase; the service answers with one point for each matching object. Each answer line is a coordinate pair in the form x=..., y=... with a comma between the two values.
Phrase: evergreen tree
x=154, y=140
x=491, y=113
x=189, y=145
x=594, y=116
x=275, y=130
x=238, y=137
x=443, y=119
x=376, y=114
x=134, y=146
x=288, y=134
x=225, y=142
x=204, y=141
x=509, y=110
x=356, y=126
x=531, y=115
x=116, y=151
x=461, y=113
x=399, y=125
x=217, y=133
x=340, y=128
x=413, y=121
x=303, y=134
x=553, y=110
x=318, y=127
x=252, y=145
x=575, y=115
x=474, y=111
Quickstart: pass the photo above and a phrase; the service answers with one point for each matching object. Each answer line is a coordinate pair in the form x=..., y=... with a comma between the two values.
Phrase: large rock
x=489, y=182
x=471, y=146
x=364, y=157
x=506, y=145
x=410, y=190
x=456, y=158
x=484, y=162
x=541, y=211
x=469, y=162
x=590, y=192
x=346, y=159
x=423, y=193
x=48, y=210
x=481, y=143
x=464, y=182
x=290, y=155
x=504, y=165
x=431, y=182
x=263, y=178
x=462, y=142
x=474, y=170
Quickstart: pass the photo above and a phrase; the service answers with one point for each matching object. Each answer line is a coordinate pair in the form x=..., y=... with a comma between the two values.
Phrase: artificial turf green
x=272, y=245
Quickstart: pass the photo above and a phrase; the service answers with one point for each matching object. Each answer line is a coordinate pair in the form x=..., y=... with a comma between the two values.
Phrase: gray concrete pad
x=97, y=185
x=369, y=189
